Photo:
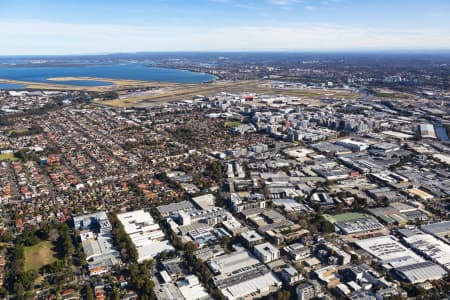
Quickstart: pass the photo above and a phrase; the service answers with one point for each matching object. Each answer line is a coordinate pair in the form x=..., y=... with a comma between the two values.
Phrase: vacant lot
x=39, y=255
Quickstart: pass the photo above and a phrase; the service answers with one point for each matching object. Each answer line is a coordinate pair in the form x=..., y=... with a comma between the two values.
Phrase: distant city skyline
x=49, y=27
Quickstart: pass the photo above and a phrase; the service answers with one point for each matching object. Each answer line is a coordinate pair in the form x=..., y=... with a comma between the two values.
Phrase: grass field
x=18, y=131
x=232, y=124
x=391, y=95
x=8, y=157
x=39, y=255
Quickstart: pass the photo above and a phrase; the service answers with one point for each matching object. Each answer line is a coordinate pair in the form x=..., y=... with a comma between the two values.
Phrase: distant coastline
x=49, y=65
x=163, y=66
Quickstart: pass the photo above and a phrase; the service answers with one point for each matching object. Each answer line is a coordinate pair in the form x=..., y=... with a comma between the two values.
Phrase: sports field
x=39, y=255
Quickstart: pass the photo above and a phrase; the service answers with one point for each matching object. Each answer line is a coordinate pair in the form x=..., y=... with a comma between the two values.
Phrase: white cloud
x=310, y=7
x=283, y=2
x=38, y=37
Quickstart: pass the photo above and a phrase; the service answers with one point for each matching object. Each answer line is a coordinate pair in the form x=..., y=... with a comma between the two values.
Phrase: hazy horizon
x=51, y=27
x=262, y=51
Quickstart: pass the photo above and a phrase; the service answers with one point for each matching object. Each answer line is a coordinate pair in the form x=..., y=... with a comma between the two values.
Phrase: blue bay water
x=10, y=86
x=128, y=71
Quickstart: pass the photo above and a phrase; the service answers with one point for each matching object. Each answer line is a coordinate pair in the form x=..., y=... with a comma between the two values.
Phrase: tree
x=30, y=239
x=64, y=242
x=149, y=264
x=226, y=243
x=214, y=171
x=147, y=289
x=324, y=225
x=3, y=293
x=115, y=294
x=190, y=248
x=55, y=267
x=27, y=278
x=217, y=294
x=283, y=295
x=6, y=237
x=19, y=290
x=122, y=240
x=18, y=259
x=89, y=292
x=139, y=278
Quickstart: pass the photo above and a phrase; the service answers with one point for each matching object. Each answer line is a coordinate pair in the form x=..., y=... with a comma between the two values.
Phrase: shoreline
x=216, y=77
x=116, y=84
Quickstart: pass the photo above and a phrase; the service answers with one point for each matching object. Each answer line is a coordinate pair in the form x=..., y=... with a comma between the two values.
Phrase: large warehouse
x=145, y=234
x=389, y=251
x=240, y=274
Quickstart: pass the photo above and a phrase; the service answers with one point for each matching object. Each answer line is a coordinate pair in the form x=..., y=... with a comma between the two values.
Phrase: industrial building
x=432, y=248
x=440, y=230
x=399, y=213
x=350, y=223
x=175, y=208
x=96, y=238
x=353, y=145
x=266, y=252
x=331, y=254
x=205, y=202
x=188, y=288
x=407, y=265
x=211, y=216
x=145, y=234
x=239, y=204
x=389, y=251
x=297, y=251
x=421, y=272
x=251, y=238
x=240, y=274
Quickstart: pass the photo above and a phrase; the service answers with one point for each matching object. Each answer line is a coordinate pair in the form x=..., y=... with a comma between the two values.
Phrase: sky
x=38, y=27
